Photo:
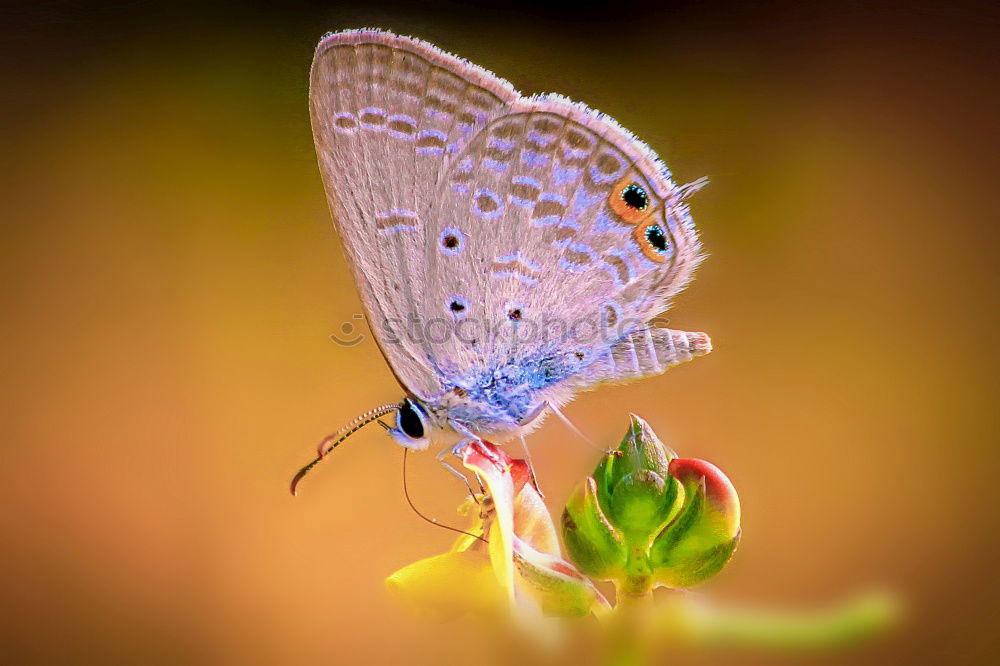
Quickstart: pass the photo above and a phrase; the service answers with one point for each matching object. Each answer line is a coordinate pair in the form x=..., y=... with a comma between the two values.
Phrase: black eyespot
x=635, y=197
x=450, y=242
x=456, y=306
x=409, y=421
x=656, y=238
x=515, y=314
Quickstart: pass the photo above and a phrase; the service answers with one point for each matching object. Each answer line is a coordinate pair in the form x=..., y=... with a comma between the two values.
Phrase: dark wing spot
x=656, y=237
x=635, y=197
x=486, y=203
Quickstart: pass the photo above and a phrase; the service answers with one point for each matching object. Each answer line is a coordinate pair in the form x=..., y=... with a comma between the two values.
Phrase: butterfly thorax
x=507, y=400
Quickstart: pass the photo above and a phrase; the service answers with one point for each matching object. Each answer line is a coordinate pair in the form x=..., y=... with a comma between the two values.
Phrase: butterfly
x=510, y=251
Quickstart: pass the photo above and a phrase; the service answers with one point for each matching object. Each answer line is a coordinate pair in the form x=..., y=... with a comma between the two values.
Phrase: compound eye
x=630, y=201
x=410, y=420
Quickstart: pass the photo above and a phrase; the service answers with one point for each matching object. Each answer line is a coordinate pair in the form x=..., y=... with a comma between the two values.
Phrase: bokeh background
x=171, y=277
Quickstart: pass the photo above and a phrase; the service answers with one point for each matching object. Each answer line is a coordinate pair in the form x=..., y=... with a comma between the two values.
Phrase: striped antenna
x=331, y=442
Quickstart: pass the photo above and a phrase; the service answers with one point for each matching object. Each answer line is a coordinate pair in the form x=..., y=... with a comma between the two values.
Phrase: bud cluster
x=647, y=518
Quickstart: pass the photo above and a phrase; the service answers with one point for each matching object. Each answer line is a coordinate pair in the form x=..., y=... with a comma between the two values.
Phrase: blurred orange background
x=172, y=277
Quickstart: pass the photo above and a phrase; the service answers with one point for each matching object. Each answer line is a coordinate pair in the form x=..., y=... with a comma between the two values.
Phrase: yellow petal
x=448, y=585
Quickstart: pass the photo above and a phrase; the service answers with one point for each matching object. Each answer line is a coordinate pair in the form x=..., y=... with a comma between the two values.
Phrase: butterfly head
x=418, y=425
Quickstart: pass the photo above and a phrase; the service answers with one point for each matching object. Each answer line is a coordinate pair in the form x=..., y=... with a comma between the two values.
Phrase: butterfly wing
x=549, y=262
x=388, y=114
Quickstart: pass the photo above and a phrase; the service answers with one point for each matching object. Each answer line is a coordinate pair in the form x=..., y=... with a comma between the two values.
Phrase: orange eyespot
x=630, y=201
x=654, y=240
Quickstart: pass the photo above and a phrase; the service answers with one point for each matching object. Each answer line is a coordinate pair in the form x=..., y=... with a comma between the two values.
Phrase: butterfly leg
x=531, y=466
x=569, y=424
x=444, y=463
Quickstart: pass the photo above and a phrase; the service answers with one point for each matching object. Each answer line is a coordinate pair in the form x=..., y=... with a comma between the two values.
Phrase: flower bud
x=646, y=517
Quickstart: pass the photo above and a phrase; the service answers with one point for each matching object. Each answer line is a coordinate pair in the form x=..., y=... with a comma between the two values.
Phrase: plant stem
x=628, y=642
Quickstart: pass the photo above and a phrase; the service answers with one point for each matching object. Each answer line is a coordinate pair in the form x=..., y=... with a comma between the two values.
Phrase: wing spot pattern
x=457, y=307
x=549, y=209
x=534, y=159
x=438, y=106
x=468, y=119
x=395, y=220
x=462, y=176
x=618, y=269
x=451, y=241
x=481, y=99
x=431, y=142
x=487, y=204
x=524, y=191
x=516, y=266
x=345, y=122
x=577, y=146
x=372, y=118
x=402, y=127
x=539, y=139
x=608, y=169
x=565, y=232
x=495, y=165
x=577, y=257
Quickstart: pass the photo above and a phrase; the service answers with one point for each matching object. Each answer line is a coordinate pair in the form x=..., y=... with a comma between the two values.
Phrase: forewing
x=389, y=115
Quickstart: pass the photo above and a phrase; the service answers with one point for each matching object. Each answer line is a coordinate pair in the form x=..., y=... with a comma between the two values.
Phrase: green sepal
x=697, y=544
x=641, y=449
x=642, y=503
x=592, y=542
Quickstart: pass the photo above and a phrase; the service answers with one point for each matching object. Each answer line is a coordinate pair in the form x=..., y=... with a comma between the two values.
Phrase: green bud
x=646, y=517
x=612, y=516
